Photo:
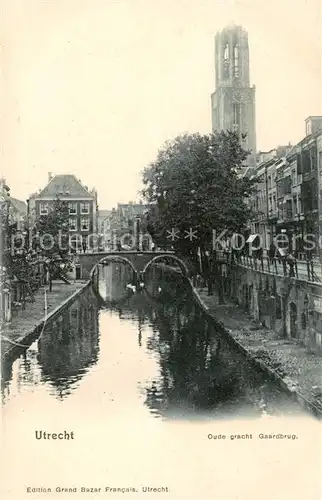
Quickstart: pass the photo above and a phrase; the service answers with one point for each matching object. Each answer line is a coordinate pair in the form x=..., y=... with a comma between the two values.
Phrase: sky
x=95, y=87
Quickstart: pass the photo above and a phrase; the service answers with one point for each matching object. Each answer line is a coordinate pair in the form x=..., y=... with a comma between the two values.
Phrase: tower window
x=226, y=52
x=226, y=61
x=236, y=61
x=236, y=115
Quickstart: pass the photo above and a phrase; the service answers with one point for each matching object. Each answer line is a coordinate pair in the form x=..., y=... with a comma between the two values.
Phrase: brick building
x=81, y=201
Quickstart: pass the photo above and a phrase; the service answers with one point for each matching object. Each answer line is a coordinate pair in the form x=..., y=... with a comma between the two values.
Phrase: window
x=300, y=205
x=289, y=212
x=236, y=114
x=72, y=205
x=294, y=177
x=72, y=224
x=280, y=210
x=313, y=157
x=226, y=61
x=299, y=164
x=236, y=62
x=84, y=224
x=308, y=127
x=315, y=202
x=226, y=52
x=309, y=196
x=306, y=161
x=287, y=184
x=43, y=208
x=274, y=203
x=85, y=208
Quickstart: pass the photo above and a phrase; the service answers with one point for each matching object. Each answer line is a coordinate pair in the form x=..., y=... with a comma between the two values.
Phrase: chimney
x=50, y=176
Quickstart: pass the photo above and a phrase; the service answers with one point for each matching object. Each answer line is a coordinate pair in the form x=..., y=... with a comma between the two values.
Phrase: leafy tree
x=52, y=230
x=195, y=183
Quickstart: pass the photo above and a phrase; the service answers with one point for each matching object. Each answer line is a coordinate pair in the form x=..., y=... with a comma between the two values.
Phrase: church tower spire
x=233, y=102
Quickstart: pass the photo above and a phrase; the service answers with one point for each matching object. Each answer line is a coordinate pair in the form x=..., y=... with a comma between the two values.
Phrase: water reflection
x=153, y=352
x=70, y=345
x=199, y=372
x=65, y=350
x=113, y=278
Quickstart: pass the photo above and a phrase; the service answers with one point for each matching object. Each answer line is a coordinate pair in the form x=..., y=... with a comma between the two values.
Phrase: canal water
x=152, y=396
x=152, y=354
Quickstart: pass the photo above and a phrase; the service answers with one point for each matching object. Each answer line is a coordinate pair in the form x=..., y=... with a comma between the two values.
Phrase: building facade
x=298, y=194
x=104, y=228
x=233, y=102
x=124, y=225
x=82, y=204
x=13, y=219
x=319, y=176
x=288, y=195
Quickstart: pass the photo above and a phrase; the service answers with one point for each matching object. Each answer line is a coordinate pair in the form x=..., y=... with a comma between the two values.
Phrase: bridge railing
x=122, y=251
x=307, y=270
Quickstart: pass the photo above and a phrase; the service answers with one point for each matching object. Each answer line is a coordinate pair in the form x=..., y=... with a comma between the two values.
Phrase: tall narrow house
x=233, y=102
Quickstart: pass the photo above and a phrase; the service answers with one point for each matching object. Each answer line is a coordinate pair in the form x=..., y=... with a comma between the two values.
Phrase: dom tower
x=233, y=102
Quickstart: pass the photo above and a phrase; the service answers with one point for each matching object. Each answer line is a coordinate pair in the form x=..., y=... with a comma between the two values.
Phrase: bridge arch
x=139, y=262
x=180, y=262
x=113, y=258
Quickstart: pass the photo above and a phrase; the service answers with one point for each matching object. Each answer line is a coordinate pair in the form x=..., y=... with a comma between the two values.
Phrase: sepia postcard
x=161, y=249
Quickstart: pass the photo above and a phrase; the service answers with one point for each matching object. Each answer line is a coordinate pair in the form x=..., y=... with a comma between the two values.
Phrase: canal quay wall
x=292, y=366
x=290, y=306
x=26, y=325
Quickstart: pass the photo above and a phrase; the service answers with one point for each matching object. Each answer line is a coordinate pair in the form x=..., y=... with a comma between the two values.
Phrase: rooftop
x=127, y=209
x=66, y=185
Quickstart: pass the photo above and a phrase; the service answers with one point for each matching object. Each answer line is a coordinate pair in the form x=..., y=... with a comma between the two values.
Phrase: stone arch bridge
x=138, y=261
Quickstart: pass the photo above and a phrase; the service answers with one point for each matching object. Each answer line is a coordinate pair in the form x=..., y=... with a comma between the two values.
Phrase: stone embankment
x=296, y=368
x=26, y=323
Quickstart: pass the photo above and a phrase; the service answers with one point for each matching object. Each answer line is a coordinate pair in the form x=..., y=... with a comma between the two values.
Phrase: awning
x=251, y=238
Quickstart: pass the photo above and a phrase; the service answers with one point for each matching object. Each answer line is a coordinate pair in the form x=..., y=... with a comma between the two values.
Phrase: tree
x=52, y=230
x=195, y=184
